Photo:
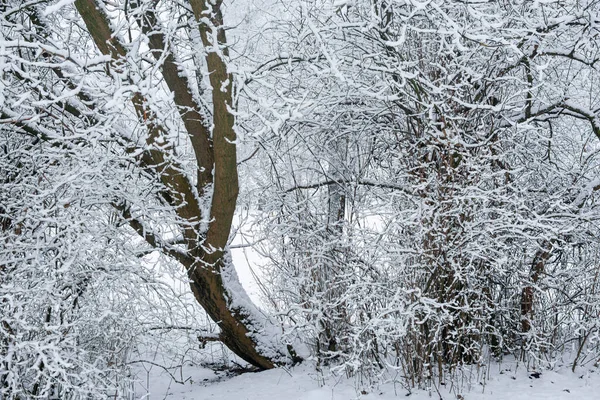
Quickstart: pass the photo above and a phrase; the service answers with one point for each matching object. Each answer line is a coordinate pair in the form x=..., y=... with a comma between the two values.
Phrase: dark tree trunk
x=214, y=147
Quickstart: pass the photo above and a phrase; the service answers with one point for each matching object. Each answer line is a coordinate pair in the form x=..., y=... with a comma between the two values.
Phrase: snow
x=505, y=381
x=56, y=6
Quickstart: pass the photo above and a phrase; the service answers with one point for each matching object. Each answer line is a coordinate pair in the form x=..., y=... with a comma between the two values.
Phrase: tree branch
x=151, y=238
x=195, y=123
x=363, y=182
x=170, y=173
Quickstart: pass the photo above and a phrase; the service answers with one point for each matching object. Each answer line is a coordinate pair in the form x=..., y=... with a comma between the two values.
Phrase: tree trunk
x=212, y=276
x=542, y=255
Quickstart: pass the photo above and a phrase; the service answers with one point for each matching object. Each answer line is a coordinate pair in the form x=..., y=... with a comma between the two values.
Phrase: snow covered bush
x=434, y=175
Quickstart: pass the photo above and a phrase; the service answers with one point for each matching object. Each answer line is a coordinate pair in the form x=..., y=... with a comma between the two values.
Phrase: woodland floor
x=505, y=381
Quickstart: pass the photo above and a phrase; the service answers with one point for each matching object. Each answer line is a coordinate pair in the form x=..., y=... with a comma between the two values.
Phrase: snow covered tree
x=204, y=208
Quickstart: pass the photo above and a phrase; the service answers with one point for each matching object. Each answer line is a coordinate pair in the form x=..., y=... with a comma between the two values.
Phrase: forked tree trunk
x=213, y=279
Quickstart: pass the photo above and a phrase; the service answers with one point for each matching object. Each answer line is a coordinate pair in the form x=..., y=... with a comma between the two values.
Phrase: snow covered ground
x=506, y=381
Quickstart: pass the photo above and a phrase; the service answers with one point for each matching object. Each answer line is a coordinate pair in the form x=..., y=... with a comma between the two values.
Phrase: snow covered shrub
x=63, y=330
x=433, y=172
x=79, y=309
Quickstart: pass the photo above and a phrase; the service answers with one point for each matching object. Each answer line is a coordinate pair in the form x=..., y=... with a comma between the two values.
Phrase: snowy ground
x=501, y=382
